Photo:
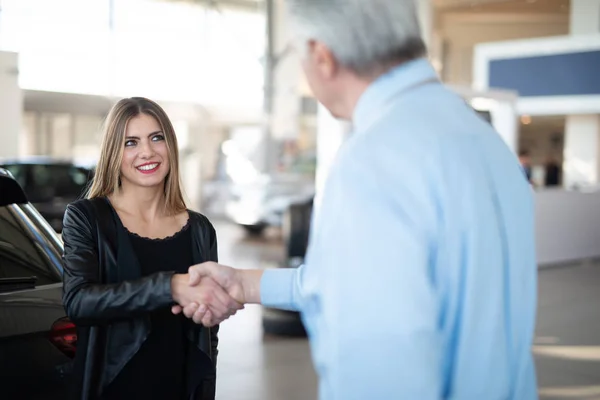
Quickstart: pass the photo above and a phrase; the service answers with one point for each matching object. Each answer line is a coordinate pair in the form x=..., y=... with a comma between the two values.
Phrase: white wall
x=585, y=16
x=567, y=226
x=11, y=105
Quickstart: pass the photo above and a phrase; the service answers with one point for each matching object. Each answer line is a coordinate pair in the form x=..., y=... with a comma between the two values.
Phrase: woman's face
x=145, y=157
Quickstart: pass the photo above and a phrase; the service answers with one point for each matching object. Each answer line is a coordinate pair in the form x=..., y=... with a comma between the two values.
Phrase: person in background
x=553, y=172
x=127, y=251
x=525, y=160
x=420, y=276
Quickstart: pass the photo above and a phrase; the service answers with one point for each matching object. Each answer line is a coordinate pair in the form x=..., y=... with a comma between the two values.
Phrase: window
x=19, y=172
x=20, y=255
x=49, y=181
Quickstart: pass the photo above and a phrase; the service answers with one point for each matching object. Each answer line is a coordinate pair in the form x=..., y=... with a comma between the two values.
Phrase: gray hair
x=363, y=35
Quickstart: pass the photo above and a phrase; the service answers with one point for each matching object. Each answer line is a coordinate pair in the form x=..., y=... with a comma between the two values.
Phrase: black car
x=50, y=184
x=37, y=341
x=296, y=228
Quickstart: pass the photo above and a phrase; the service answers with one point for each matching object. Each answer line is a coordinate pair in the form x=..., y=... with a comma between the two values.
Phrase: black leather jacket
x=106, y=297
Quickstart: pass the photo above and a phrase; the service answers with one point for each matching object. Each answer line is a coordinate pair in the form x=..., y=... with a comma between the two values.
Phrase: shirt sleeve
x=373, y=250
x=280, y=288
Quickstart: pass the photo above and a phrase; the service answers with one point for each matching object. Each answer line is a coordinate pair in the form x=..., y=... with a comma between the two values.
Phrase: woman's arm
x=86, y=300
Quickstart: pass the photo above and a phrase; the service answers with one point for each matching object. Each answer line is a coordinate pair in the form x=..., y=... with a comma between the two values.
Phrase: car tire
x=297, y=228
x=282, y=323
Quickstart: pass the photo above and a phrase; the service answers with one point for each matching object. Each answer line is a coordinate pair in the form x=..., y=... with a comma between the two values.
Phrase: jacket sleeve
x=213, y=256
x=86, y=300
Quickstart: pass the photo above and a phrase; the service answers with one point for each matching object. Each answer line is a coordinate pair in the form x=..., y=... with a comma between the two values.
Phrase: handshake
x=210, y=293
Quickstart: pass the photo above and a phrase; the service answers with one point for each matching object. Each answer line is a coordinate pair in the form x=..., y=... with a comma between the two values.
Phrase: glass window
x=19, y=171
x=20, y=255
x=202, y=49
x=50, y=181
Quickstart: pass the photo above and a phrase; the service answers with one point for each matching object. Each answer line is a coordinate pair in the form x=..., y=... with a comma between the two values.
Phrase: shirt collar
x=384, y=88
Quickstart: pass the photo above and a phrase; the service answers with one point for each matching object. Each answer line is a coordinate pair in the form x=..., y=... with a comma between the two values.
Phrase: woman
x=128, y=247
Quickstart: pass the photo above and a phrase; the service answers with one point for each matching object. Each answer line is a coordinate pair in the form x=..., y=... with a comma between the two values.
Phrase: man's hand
x=217, y=304
x=241, y=285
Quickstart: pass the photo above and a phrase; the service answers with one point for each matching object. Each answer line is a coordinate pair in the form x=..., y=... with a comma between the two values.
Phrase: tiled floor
x=255, y=368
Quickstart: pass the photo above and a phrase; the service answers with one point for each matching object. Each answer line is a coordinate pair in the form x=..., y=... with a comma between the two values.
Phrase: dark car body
x=50, y=184
x=37, y=342
x=296, y=228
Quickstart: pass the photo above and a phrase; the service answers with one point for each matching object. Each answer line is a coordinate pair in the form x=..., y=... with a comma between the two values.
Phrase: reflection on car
x=263, y=203
x=37, y=341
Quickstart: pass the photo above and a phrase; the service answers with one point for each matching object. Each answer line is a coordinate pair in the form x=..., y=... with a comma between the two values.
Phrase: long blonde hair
x=107, y=177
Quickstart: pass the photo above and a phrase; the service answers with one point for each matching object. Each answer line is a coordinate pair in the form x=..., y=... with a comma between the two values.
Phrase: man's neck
x=354, y=87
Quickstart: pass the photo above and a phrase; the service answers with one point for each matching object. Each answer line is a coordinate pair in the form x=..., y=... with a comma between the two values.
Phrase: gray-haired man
x=420, y=278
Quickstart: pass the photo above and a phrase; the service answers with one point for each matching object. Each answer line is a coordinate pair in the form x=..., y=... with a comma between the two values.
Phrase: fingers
x=200, y=316
x=177, y=309
x=197, y=272
x=191, y=308
x=229, y=305
x=195, y=275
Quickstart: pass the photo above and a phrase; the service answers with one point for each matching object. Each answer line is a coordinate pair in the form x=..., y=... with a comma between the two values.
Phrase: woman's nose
x=146, y=150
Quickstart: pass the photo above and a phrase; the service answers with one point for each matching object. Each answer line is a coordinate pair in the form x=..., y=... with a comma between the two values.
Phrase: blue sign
x=568, y=74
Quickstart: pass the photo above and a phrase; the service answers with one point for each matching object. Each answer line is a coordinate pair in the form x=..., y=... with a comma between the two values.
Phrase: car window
x=57, y=181
x=20, y=255
x=19, y=171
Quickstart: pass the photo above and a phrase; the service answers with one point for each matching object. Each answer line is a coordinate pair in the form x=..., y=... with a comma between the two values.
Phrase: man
x=525, y=161
x=553, y=172
x=420, y=277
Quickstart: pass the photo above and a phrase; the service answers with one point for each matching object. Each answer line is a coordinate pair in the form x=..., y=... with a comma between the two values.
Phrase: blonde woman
x=128, y=247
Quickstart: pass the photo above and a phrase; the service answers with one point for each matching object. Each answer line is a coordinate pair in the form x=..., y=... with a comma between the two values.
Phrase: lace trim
x=173, y=236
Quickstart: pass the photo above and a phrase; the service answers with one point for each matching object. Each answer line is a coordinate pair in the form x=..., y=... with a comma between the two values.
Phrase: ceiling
x=508, y=6
x=245, y=4
x=473, y=6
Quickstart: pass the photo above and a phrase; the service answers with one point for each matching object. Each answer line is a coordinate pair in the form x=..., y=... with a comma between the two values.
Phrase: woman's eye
x=130, y=143
x=158, y=138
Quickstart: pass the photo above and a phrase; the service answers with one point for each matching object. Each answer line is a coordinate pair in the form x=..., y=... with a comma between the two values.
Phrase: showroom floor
x=253, y=367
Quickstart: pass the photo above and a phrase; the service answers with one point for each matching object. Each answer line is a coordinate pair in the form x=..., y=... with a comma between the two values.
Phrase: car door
x=34, y=334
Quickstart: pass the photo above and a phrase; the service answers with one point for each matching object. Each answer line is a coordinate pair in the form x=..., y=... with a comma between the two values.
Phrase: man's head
x=346, y=44
x=524, y=157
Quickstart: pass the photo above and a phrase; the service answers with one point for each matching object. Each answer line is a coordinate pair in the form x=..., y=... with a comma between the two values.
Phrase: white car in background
x=261, y=204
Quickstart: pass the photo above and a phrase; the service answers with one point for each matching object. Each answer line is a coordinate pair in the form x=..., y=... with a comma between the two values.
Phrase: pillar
x=425, y=11
x=11, y=105
x=331, y=133
x=286, y=78
x=581, y=164
x=582, y=148
x=585, y=17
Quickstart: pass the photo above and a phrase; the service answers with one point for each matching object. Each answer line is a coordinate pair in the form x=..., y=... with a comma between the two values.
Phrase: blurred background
x=256, y=146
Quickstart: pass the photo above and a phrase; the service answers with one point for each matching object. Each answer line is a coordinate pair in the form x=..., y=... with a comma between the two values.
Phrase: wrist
x=178, y=282
x=250, y=281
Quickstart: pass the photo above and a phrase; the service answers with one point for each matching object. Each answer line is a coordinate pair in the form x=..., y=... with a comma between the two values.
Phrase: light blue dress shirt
x=420, y=277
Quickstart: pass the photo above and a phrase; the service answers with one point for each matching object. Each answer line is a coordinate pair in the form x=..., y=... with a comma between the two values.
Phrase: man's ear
x=323, y=59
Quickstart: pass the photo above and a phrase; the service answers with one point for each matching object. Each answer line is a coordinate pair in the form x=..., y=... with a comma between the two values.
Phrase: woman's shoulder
x=86, y=206
x=86, y=210
x=197, y=217
x=200, y=220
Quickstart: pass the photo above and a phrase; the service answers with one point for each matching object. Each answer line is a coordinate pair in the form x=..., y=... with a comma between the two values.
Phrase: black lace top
x=157, y=371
